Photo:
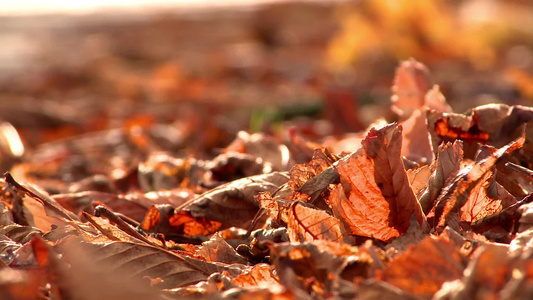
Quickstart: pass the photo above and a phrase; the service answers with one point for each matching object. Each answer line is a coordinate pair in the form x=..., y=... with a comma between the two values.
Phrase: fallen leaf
x=136, y=261
x=424, y=267
x=468, y=179
x=218, y=250
x=232, y=204
x=306, y=224
x=258, y=275
x=485, y=276
x=448, y=163
x=418, y=179
x=411, y=82
x=374, y=198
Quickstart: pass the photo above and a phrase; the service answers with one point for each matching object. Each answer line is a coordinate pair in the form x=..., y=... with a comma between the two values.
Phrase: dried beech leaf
x=300, y=174
x=136, y=261
x=307, y=224
x=506, y=221
x=88, y=200
x=374, y=197
x=459, y=190
x=52, y=208
x=418, y=179
x=232, y=166
x=411, y=82
x=5, y=215
x=424, y=267
x=265, y=147
x=112, y=232
x=218, y=250
x=435, y=100
x=233, y=204
x=487, y=200
x=448, y=163
x=304, y=267
x=493, y=124
x=526, y=216
x=416, y=144
x=20, y=234
x=485, y=277
x=258, y=275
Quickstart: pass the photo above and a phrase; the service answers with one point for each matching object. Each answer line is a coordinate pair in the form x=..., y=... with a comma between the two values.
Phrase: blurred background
x=200, y=71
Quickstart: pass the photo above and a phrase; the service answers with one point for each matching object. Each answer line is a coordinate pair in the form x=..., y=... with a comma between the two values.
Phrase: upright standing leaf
x=411, y=82
x=374, y=197
x=458, y=192
x=448, y=163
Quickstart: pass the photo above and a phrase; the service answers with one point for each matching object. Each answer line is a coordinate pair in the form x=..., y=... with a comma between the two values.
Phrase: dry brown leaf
x=458, y=191
x=493, y=124
x=418, y=179
x=166, y=220
x=424, y=267
x=306, y=224
x=302, y=266
x=300, y=174
x=258, y=275
x=374, y=197
x=218, y=250
x=411, y=82
x=488, y=199
x=265, y=147
x=448, y=163
x=416, y=144
x=435, y=100
x=485, y=277
x=232, y=204
x=137, y=260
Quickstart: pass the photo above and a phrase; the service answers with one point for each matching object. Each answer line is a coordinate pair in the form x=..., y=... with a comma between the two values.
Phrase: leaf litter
x=434, y=206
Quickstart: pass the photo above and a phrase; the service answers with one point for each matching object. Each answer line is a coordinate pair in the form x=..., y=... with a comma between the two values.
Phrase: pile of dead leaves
x=434, y=206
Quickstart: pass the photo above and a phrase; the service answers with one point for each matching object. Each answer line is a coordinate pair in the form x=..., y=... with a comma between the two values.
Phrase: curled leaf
x=374, y=197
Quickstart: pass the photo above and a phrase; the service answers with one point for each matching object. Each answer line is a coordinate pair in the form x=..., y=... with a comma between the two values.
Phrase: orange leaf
x=375, y=198
x=307, y=224
x=411, y=82
x=424, y=267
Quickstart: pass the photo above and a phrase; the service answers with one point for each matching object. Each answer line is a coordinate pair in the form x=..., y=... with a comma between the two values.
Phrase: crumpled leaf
x=218, y=250
x=265, y=147
x=306, y=224
x=166, y=220
x=232, y=204
x=448, y=163
x=374, y=197
x=232, y=166
x=258, y=275
x=424, y=267
x=302, y=267
x=300, y=174
x=468, y=179
x=493, y=124
x=486, y=275
x=488, y=199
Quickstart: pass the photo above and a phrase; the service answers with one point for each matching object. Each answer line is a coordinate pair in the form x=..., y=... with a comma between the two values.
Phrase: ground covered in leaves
x=163, y=194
